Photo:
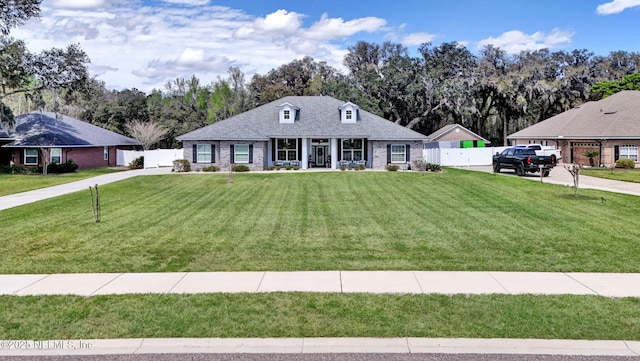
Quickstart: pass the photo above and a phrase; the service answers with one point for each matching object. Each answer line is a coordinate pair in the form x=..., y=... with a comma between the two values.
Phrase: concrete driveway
x=559, y=175
x=18, y=199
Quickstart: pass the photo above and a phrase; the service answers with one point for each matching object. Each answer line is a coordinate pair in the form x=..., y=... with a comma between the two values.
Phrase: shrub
x=211, y=168
x=13, y=169
x=67, y=167
x=432, y=167
x=625, y=163
x=181, y=165
x=420, y=165
x=392, y=167
x=137, y=163
x=240, y=168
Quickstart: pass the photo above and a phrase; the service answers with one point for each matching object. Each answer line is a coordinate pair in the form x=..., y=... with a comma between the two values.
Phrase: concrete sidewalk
x=18, y=199
x=319, y=346
x=379, y=282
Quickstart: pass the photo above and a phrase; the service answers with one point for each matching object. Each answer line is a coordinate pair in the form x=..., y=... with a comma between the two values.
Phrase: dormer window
x=288, y=113
x=349, y=113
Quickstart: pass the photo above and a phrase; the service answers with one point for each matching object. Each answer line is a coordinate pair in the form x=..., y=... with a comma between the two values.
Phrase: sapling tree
x=574, y=169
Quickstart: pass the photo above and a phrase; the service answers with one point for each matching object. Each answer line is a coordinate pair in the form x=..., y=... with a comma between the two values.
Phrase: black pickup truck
x=523, y=161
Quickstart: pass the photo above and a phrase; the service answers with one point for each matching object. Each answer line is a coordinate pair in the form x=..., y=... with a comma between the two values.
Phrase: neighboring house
x=610, y=126
x=455, y=136
x=304, y=131
x=5, y=138
x=42, y=137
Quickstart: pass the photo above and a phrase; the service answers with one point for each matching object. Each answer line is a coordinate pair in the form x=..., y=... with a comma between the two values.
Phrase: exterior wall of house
x=85, y=158
x=222, y=154
x=573, y=150
x=380, y=153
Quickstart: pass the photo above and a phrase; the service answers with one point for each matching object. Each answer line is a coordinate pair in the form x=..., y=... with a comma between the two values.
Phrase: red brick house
x=45, y=138
x=610, y=126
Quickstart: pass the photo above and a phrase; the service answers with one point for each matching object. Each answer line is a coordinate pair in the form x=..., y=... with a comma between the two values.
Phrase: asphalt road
x=320, y=357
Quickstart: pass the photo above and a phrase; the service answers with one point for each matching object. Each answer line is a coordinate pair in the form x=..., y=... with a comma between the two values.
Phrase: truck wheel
x=545, y=173
x=520, y=170
x=496, y=168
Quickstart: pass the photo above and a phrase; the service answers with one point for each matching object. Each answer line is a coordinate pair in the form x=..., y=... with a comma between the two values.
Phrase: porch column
x=305, y=153
x=335, y=157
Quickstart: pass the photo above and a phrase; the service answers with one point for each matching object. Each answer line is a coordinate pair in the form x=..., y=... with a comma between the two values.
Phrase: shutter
x=365, y=155
x=408, y=153
x=274, y=145
x=250, y=153
x=213, y=153
x=339, y=155
x=388, y=153
x=300, y=149
x=195, y=154
x=616, y=152
x=232, y=156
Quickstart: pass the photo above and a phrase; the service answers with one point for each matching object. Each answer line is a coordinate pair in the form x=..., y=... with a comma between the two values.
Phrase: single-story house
x=455, y=136
x=304, y=131
x=610, y=126
x=5, y=138
x=59, y=138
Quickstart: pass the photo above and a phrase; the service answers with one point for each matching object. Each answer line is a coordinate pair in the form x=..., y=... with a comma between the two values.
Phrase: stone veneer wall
x=379, y=160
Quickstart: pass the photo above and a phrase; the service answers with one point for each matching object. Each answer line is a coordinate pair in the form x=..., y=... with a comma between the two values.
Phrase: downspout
x=600, y=153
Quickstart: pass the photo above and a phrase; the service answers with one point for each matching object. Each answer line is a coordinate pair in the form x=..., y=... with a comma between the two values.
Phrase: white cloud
x=417, y=39
x=279, y=23
x=516, y=41
x=616, y=6
x=80, y=4
x=335, y=28
x=188, y=2
x=135, y=46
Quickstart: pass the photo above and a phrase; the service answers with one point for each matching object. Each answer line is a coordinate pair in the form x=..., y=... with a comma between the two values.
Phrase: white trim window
x=31, y=156
x=398, y=153
x=629, y=151
x=203, y=153
x=105, y=153
x=241, y=153
x=56, y=155
x=353, y=149
x=286, y=149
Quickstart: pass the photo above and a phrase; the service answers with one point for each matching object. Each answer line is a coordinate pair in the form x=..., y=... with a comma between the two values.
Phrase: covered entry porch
x=319, y=152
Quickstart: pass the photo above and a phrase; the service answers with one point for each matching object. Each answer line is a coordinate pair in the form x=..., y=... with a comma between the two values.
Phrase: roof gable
x=45, y=129
x=442, y=133
x=319, y=118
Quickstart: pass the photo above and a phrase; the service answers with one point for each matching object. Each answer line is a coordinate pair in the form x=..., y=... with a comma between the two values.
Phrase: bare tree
x=574, y=169
x=148, y=133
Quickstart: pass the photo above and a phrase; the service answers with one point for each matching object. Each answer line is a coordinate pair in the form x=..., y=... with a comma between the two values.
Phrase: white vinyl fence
x=461, y=157
x=152, y=158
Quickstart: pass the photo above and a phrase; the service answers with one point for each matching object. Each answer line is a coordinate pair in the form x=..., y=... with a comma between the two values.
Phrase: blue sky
x=144, y=44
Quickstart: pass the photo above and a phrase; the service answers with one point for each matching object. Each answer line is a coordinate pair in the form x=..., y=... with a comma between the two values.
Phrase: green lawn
x=457, y=220
x=627, y=175
x=319, y=315
x=16, y=183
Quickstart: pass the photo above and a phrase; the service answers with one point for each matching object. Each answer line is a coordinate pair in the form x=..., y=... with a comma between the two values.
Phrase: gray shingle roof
x=319, y=118
x=614, y=117
x=44, y=129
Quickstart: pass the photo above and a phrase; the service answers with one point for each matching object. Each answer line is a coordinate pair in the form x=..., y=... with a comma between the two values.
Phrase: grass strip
x=626, y=175
x=17, y=183
x=458, y=220
x=320, y=315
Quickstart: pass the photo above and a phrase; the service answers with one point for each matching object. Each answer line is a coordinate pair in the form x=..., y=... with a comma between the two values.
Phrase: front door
x=320, y=155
